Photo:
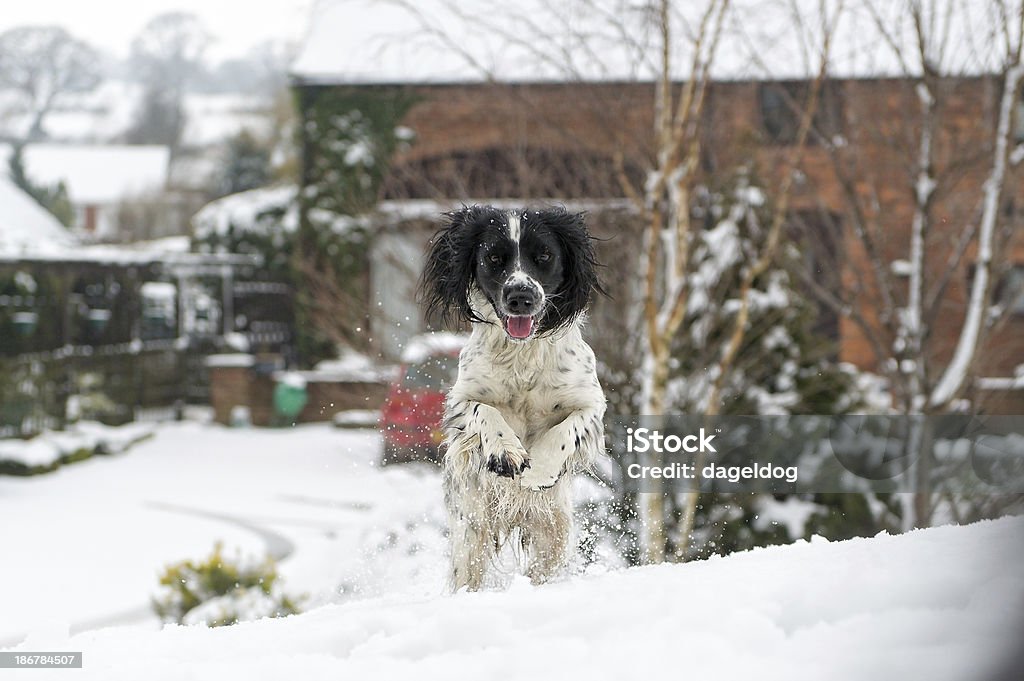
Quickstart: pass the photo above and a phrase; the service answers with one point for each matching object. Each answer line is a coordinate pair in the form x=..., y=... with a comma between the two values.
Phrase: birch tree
x=666, y=208
x=930, y=45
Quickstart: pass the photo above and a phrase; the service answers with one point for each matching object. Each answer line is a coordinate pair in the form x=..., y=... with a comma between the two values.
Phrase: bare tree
x=168, y=54
x=42, y=65
x=935, y=48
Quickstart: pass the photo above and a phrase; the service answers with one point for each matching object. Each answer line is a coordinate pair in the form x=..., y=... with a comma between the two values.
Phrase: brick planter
x=239, y=380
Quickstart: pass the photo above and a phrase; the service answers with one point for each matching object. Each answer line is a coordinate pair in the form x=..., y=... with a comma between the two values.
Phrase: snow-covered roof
x=427, y=345
x=244, y=209
x=28, y=232
x=430, y=209
x=466, y=41
x=350, y=366
x=26, y=227
x=246, y=212
x=97, y=174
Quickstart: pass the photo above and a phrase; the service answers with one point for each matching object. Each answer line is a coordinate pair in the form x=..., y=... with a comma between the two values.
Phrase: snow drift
x=934, y=604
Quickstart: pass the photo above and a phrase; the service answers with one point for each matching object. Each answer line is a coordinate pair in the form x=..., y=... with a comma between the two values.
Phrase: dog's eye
x=494, y=259
x=543, y=257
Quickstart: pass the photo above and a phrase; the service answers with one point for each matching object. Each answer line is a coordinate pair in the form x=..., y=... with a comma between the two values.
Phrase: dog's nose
x=520, y=299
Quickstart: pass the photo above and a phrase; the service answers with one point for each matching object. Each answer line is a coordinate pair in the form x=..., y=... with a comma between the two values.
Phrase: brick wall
x=878, y=125
x=328, y=398
x=233, y=386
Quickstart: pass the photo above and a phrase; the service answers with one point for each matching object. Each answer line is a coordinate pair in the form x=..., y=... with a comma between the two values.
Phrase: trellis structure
x=118, y=335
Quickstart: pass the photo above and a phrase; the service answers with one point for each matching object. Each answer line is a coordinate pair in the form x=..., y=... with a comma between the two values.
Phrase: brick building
x=551, y=140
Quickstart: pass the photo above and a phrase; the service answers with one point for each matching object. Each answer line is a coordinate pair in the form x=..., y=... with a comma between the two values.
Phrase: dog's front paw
x=508, y=461
x=507, y=465
x=539, y=479
x=544, y=472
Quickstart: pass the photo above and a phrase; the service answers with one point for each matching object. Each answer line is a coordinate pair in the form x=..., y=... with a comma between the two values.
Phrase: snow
x=428, y=209
x=93, y=537
x=107, y=112
x=350, y=366
x=247, y=604
x=365, y=545
x=234, y=359
x=442, y=41
x=98, y=174
x=426, y=345
x=360, y=153
x=872, y=389
x=26, y=227
x=901, y=267
x=262, y=211
x=1001, y=382
x=237, y=341
x=719, y=249
x=777, y=337
x=1017, y=155
x=291, y=379
x=212, y=118
x=792, y=513
x=934, y=604
x=49, y=446
x=100, y=115
x=357, y=418
x=244, y=209
x=159, y=290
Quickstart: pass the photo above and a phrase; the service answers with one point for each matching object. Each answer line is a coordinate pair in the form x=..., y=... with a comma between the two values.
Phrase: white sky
x=111, y=25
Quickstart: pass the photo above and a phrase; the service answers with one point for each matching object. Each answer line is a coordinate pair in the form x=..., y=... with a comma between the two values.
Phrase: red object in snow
x=411, y=417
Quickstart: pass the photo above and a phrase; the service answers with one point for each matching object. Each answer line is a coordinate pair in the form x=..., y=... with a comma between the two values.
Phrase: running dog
x=527, y=409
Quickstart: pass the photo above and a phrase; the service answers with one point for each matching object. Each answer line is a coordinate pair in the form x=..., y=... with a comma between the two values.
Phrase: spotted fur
x=523, y=414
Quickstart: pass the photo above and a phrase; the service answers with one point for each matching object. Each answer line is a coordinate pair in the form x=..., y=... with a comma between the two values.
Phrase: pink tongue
x=519, y=327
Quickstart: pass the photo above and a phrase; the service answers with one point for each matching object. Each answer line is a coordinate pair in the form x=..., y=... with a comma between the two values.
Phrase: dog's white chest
x=534, y=386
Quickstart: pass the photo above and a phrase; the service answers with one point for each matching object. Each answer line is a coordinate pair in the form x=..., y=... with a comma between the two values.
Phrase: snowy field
x=84, y=546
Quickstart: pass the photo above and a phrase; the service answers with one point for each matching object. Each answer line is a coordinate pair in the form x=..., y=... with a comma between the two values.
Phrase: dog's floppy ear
x=448, y=273
x=580, y=280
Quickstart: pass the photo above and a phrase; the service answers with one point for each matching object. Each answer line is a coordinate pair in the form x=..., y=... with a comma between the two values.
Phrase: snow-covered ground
x=83, y=547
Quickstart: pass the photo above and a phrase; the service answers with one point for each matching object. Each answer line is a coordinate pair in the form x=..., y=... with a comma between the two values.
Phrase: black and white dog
x=527, y=408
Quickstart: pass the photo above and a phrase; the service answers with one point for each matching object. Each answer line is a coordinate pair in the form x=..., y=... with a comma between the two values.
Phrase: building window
x=817, y=235
x=782, y=107
x=1010, y=290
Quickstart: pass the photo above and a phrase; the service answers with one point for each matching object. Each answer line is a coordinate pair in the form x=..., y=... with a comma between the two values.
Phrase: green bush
x=20, y=469
x=219, y=592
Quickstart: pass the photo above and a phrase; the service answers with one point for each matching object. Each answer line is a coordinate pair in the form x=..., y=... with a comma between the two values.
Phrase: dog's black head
x=536, y=268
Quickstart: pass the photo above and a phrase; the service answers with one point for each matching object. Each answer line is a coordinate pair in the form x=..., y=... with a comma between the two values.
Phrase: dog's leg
x=573, y=443
x=470, y=553
x=480, y=443
x=501, y=451
x=546, y=539
x=467, y=517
